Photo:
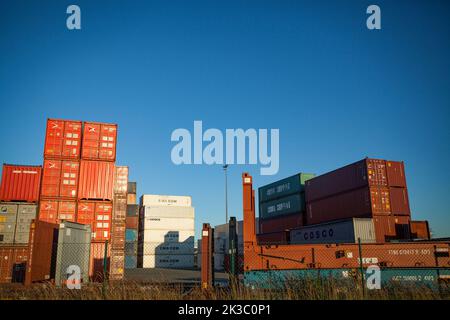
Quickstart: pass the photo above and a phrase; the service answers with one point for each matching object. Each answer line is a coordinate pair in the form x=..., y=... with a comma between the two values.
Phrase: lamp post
x=225, y=167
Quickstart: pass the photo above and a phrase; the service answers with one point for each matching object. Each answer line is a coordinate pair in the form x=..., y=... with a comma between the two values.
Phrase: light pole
x=225, y=167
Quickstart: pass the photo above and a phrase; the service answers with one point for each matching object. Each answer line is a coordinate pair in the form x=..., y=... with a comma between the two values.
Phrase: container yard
x=78, y=214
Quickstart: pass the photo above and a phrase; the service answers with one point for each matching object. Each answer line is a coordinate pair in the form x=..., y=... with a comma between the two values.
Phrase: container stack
x=166, y=233
x=60, y=178
x=282, y=206
x=132, y=228
x=119, y=224
x=370, y=188
x=19, y=196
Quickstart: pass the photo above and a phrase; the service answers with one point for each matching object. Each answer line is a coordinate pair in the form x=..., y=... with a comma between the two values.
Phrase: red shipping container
x=96, y=180
x=62, y=139
x=53, y=211
x=99, y=215
x=367, y=172
x=359, y=203
x=20, y=183
x=420, y=230
x=132, y=222
x=274, y=238
x=391, y=228
x=99, y=141
x=280, y=224
x=9, y=257
x=60, y=179
x=97, y=261
x=42, y=251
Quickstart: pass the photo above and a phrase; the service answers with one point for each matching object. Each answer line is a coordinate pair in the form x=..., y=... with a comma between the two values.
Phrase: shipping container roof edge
x=288, y=177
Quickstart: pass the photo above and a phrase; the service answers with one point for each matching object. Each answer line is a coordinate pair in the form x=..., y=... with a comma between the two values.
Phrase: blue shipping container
x=131, y=235
x=130, y=262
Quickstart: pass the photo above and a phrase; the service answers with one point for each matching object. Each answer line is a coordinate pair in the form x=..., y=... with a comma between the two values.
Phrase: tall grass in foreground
x=305, y=289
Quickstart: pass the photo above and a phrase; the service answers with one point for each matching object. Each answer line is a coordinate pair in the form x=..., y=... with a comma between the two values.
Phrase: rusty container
x=283, y=223
x=121, y=180
x=389, y=228
x=118, y=235
x=120, y=207
x=99, y=256
x=13, y=260
x=96, y=180
x=132, y=222
x=99, y=141
x=62, y=139
x=20, y=183
x=364, y=173
x=420, y=230
x=42, y=251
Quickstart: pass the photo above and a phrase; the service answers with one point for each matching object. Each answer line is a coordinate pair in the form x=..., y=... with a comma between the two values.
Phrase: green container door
x=284, y=187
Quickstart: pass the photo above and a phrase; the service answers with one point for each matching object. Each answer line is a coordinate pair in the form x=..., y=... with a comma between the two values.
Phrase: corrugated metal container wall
x=62, y=139
x=168, y=261
x=282, y=223
x=96, y=180
x=97, y=259
x=99, y=141
x=120, y=207
x=284, y=206
x=132, y=187
x=10, y=257
x=399, y=201
x=42, y=251
x=121, y=180
x=420, y=230
x=284, y=187
x=150, y=200
x=60, y=179
x=344, y=231
x=161, y=236
x=99, y=215
x=168, y=212
x=132, y=222
x=8, y=219
x=388, y=227
x=73, y=249
x=26, y=213
x=167, y=223
x=131, y=198
x=281, y=237
x=118, y=235
x=20, y=183
x=367, y=172
x=53, y=211
x=132, y=210
x=117, y=267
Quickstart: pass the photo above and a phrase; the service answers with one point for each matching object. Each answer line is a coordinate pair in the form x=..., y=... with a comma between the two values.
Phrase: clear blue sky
x=337, y=91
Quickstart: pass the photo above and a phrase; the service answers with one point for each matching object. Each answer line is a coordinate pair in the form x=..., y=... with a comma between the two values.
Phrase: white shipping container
x=169, y=212
x=163, y=236
x=169, y=261
x=168, y=248
x=165, y=200
x=343, y=231
x=163, y=223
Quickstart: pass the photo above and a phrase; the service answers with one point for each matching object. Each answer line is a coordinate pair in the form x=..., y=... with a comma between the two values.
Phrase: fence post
x=105, y=269
x=361, y=269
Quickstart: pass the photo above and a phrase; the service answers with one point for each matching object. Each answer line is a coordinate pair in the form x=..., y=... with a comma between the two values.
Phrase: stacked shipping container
x=132, y=228
x=19, y=195
x=282, y=204
x=370, y=188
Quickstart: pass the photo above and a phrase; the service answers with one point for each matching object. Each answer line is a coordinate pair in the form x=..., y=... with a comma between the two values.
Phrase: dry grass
x=306, y=289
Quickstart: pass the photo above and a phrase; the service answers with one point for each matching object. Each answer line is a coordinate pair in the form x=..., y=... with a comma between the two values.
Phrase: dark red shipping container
x=10, y=257
x=20, y=183
x=96, y=180
x=420, y=230
x=367, y=172
x=132, y=222
x=99, y=141
x=359, y=203
x=42, y=251
x=97, y=261
x=99, y=215
x=62, y=139
x=391, y=228
x=281, y=224
x=274, y=238
x=53, y=211
x=60, y=179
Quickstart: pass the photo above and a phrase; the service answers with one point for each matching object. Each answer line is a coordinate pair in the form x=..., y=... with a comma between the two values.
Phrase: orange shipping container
x=96, y=180
x=53, y=211
x=99, y=141
x=99, y=215
x=391, y=228
x=62, y=139
x=420, y=230
x=60, y=179
x=20, y=183
x=97, y=261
